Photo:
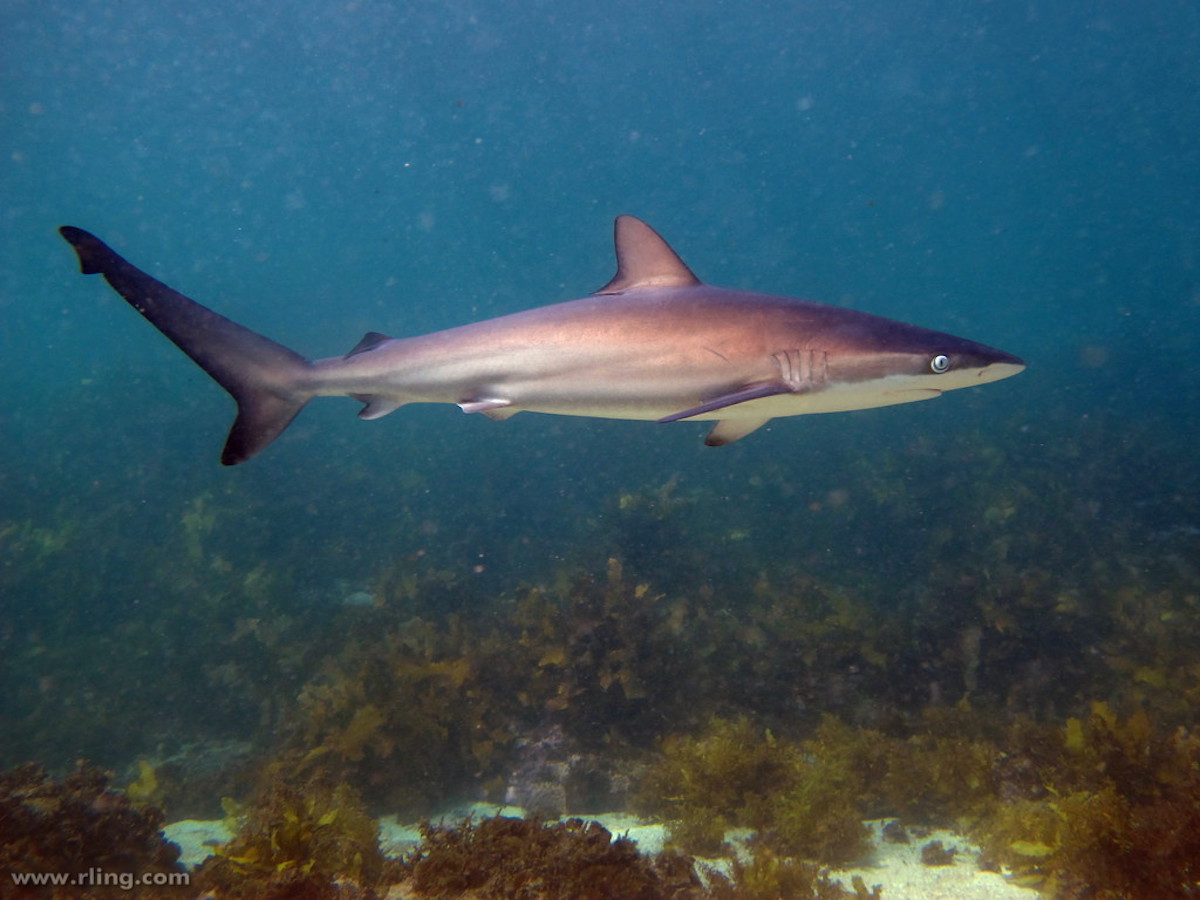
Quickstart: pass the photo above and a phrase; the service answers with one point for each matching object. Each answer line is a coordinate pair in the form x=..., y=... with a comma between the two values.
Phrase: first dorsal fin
x=645, y=260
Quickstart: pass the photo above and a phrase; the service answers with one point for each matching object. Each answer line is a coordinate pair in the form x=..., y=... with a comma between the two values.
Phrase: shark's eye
x=940, y=363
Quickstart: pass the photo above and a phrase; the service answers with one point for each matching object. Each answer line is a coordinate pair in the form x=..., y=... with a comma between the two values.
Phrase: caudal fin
x=267, y=380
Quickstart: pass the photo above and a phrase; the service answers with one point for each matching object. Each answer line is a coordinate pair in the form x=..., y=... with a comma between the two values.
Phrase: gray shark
x=655, y=343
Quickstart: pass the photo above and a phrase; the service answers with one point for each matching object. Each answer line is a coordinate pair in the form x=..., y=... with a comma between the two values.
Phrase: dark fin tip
x=88, y=247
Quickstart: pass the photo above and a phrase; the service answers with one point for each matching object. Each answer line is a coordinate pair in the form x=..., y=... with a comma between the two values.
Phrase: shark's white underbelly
x=830, y=398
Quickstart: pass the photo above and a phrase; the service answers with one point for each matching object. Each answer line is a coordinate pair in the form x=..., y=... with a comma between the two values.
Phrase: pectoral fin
x=754, y=392
x=729, y=430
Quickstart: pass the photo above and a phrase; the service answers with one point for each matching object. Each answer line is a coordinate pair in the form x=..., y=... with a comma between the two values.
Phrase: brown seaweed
x=78, y=827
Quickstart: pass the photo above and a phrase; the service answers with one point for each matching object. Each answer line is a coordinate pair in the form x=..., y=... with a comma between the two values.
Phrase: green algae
x=297, y=841
x=735, y=775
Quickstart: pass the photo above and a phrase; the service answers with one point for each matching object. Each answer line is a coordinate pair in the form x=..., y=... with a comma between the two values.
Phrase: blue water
x=1019, y=174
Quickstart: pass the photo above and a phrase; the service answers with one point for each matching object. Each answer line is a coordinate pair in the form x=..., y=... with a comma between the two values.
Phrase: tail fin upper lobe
x=265, y=378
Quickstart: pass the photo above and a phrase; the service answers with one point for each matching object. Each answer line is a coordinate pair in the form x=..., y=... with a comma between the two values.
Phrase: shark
x=655, y=343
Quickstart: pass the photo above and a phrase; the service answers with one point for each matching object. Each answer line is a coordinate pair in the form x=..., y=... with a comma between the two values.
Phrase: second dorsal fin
x=645, y=260
x=370, y=341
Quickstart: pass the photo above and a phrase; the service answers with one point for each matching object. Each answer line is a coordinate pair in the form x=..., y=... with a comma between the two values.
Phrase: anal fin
x=376, y=407
x=729, y=430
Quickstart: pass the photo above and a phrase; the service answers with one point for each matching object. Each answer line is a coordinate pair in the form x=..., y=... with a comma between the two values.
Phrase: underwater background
x=1022, y=174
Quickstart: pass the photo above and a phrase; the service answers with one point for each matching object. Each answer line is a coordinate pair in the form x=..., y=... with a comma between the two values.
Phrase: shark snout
x=1006, y=368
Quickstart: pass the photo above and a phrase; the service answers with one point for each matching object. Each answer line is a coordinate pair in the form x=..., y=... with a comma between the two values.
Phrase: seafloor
x=1013, y=659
